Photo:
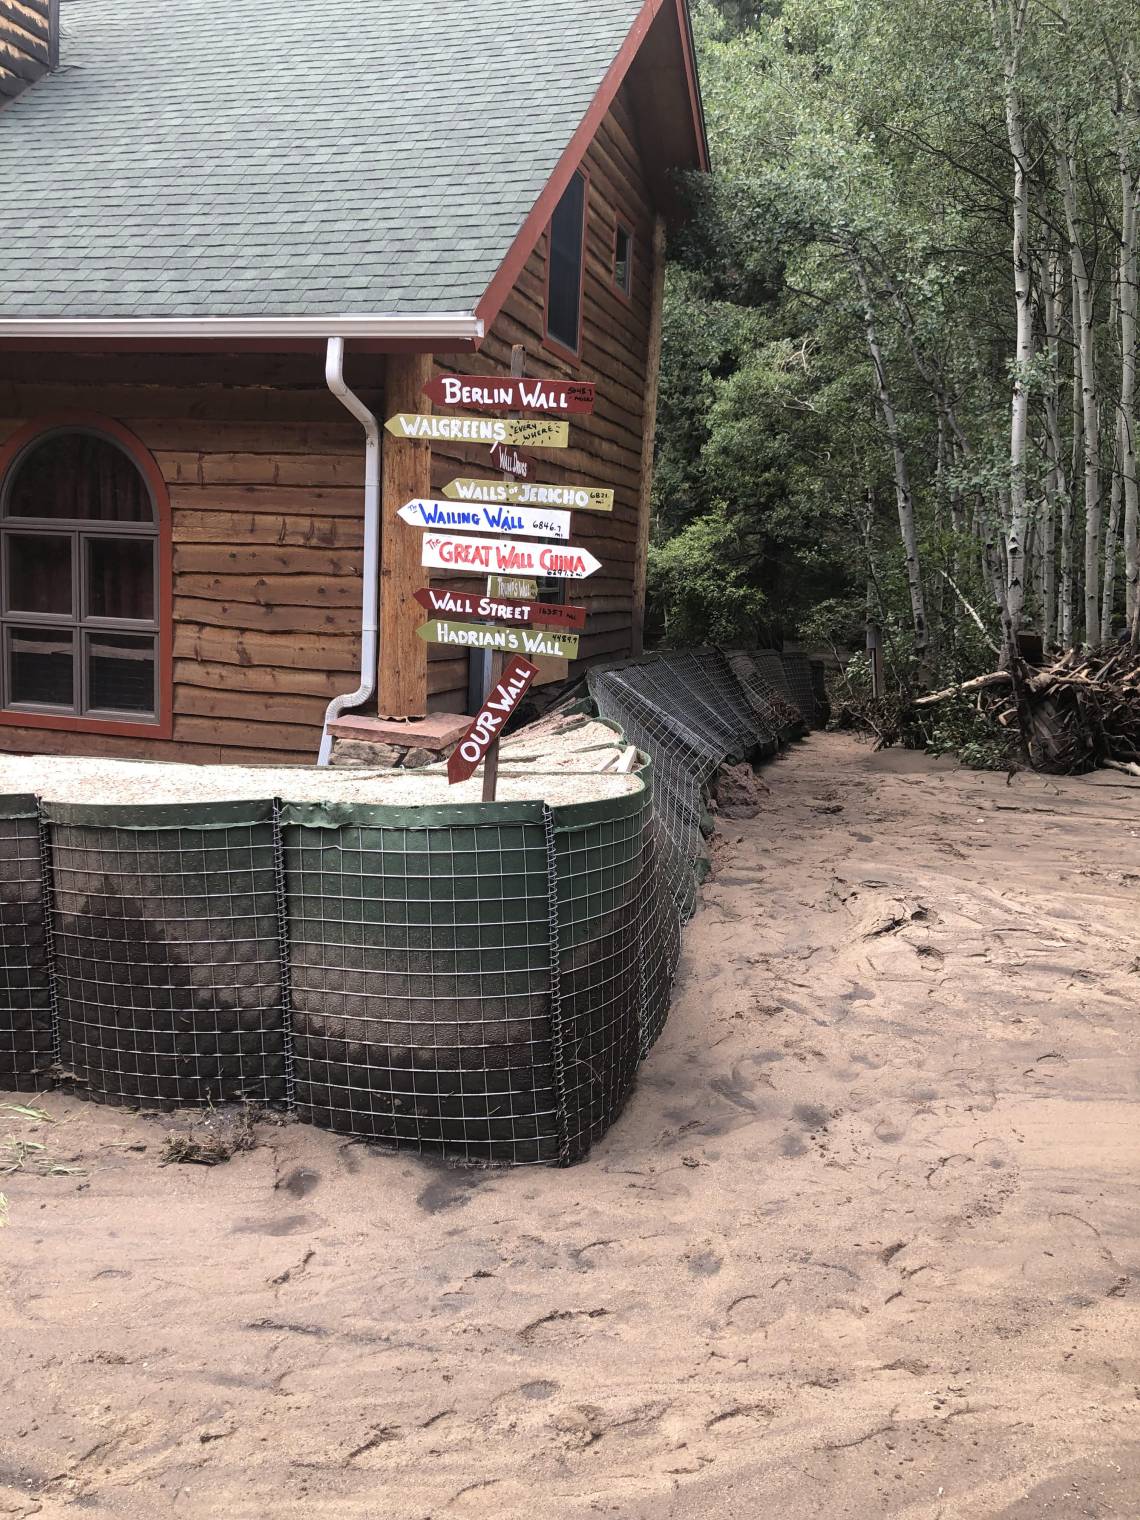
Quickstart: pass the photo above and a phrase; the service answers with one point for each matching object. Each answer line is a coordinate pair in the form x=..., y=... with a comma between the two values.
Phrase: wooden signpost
x=499, y=556
x=537, y=643
x=491, y=394
x=523, y=494
x=501, y=701
x=467, y=604
x=511, y=505
x=483, y=517
x=532, y=432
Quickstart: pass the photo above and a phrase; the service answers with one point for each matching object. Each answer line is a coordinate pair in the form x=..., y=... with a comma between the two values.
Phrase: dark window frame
x=552, y=340
x=82, y=624
x=625, y=291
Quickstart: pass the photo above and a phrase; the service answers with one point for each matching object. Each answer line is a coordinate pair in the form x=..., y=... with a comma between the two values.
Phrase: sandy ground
x=866, y=1240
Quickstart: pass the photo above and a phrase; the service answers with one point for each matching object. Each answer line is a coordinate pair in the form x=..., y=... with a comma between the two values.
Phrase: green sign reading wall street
x=527, y=641
x=528, y=432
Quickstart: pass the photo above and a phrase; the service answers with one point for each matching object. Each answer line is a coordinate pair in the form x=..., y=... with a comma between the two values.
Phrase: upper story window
x=79, y=577
x=623, y=259
x=566, y=249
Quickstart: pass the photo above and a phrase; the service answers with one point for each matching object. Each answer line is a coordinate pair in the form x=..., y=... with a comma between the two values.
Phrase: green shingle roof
x=254, y=158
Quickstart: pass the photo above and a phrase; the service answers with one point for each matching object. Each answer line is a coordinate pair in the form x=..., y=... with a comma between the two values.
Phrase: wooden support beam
x=648, y=437
x=405, y=475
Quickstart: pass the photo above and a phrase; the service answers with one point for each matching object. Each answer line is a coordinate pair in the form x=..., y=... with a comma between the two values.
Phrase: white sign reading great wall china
x=479, y=517
x=525, y=494
x=489, y=556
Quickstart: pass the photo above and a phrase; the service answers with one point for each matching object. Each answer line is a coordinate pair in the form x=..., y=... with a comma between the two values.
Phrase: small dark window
x=623, y=259
x=78, y=564
x=564, y=271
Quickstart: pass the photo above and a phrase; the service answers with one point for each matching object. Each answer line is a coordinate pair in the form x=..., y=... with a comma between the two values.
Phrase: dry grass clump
x=223, y=1134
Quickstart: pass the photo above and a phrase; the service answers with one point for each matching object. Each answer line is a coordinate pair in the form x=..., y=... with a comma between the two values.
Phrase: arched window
x=83, y=558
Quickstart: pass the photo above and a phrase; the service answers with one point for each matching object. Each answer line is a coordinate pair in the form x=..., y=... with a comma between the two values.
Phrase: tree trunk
x=903, y=493
x=1083, y=322
x=1056, y=486
x=1108, y=596
x=1007, y=40
x=1129, y=274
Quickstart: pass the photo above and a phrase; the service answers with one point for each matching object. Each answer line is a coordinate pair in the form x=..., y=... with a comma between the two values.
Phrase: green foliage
x=964, y=728
x=698, y=589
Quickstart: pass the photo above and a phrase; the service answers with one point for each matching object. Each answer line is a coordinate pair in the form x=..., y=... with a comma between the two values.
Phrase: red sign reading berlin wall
x=504, y=697
x=502, y=609
x=489, y=393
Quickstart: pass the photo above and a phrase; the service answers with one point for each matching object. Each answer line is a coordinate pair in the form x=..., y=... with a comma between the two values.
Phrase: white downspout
x=369, y=620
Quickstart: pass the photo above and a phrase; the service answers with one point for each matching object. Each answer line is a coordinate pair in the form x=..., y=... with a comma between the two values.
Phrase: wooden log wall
x=265, y=472
x=29, y=41
x=606, y=448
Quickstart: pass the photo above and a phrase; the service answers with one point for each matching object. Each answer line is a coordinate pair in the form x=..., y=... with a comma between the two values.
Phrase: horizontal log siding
x=605, y=447
x=266, y=474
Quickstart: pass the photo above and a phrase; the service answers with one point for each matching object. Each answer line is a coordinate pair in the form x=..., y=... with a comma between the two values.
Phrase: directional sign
x=467, y=604
x=522, y=493
x=503, y=698
x=512, y=462
x=491, y=394
x=514, y=587
x=445, y=551
x=528, y=431
x=480, y=518
x=533, y=642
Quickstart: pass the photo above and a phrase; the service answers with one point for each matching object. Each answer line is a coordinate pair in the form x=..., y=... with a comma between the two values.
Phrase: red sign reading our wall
x=489, y=393
x=504, y=698
x=499, y=608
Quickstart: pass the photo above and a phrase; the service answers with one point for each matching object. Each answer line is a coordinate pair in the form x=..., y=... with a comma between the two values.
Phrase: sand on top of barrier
x=560, y=764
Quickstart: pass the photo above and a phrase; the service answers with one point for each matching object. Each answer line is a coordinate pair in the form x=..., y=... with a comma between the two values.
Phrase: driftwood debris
x=1080, y=712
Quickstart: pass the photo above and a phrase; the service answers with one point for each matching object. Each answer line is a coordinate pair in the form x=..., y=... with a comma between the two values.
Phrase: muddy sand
x=866, y=1240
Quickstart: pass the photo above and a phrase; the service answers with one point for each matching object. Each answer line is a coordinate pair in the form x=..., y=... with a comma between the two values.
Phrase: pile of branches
x=1075, y=715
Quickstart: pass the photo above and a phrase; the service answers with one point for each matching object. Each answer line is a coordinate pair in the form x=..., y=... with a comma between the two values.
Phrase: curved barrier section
x=26, y=1017
x=477, y=979
x=421, y=971
x=167, y=954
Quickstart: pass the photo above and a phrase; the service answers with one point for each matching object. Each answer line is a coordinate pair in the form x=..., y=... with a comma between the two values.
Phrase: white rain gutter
x=432, y=327
x=369, y=618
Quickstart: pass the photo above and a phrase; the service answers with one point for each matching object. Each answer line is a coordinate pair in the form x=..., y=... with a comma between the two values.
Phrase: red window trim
x=619, y=227
x=572, y=356
x=145, y=462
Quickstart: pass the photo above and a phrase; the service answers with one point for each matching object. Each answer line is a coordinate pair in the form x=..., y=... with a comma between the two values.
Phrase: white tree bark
x=1009, y=31
x=1056, y=487
x=903, y=493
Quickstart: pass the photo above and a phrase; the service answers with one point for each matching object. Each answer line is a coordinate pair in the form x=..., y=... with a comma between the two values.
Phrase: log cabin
x=235, y=237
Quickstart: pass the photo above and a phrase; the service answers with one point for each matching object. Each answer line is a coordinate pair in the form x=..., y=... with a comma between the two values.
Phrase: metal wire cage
x=26, y=1013
x=166, y=953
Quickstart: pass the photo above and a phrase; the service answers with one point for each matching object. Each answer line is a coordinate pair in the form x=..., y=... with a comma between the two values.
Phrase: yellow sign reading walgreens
x=524, y=432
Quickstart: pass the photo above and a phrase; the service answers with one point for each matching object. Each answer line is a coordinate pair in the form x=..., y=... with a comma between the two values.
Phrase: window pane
x=622, y=260
x=563, y=313
x=81, y=476
x=39, y=572
x=120, y=673
x=41, y=666
x=120, y=578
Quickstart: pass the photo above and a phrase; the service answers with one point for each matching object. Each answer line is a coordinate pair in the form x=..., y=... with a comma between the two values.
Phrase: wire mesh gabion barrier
x=26, y=1017
x=478, y=980
x=166, y=951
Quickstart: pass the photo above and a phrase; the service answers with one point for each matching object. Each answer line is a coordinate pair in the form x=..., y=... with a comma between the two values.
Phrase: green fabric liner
x=19, y=806
x=146, y=816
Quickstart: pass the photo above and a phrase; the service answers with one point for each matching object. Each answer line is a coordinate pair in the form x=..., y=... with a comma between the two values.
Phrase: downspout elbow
x=369, y=617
